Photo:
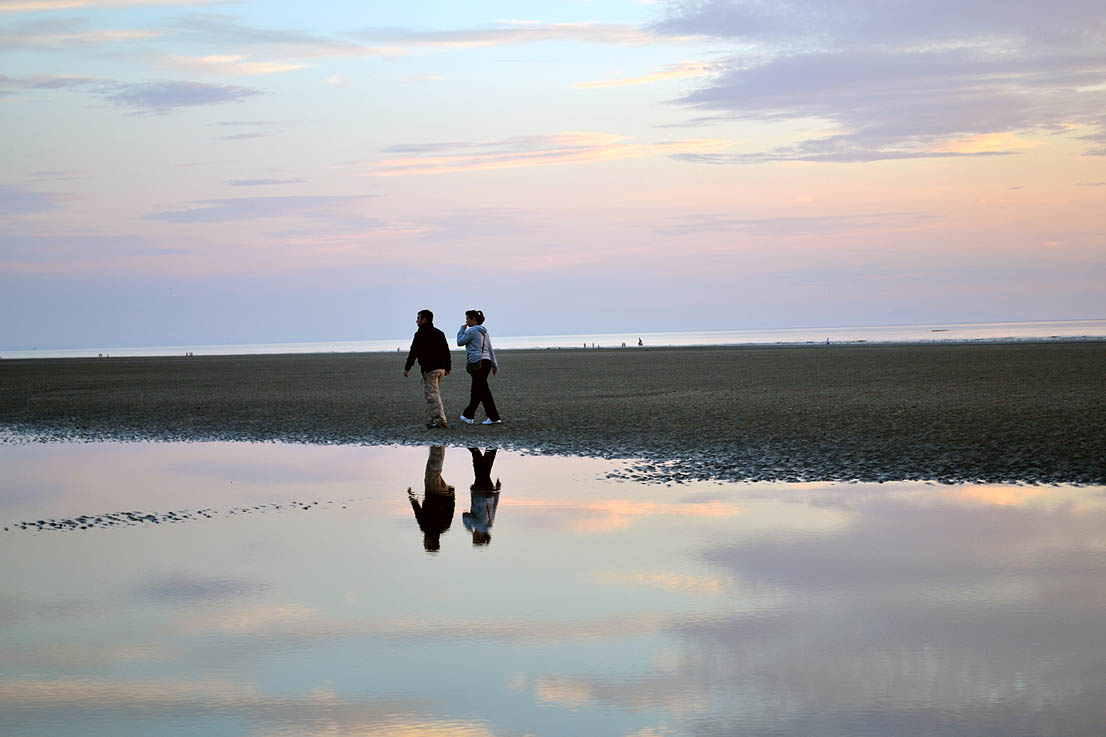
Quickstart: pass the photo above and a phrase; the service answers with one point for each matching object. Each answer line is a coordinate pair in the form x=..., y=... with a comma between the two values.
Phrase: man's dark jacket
x=430, y=349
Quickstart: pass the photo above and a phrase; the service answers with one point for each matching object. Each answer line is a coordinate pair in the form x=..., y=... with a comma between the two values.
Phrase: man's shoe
x=490, y=421
x=466, y=420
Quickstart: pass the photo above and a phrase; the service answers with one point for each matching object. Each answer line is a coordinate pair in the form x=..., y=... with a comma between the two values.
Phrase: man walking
x=430, y=349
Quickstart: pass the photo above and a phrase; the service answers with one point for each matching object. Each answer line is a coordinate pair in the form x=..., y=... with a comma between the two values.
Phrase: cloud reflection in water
x=603, y=607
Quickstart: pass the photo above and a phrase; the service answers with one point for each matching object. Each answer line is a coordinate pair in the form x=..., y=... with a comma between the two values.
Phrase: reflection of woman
x=483, y=497
x=435, y=514
x=482, y=470
x=480, y=361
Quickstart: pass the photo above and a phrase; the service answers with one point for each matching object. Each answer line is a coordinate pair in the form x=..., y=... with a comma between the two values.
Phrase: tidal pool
x=271, y=589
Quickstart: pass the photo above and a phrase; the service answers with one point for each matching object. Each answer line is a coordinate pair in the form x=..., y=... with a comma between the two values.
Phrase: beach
x=991, y=413
x=677, y=542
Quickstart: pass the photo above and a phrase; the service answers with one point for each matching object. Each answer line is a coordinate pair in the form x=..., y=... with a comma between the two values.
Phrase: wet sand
x=995, y=413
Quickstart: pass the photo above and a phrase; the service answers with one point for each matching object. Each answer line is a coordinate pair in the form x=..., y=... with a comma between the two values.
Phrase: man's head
x=425, y=317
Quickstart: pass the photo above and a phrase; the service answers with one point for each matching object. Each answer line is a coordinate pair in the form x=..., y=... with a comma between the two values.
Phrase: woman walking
x=481, y=360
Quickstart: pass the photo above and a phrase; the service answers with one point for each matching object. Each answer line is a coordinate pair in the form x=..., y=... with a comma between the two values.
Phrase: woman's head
x=476, y=316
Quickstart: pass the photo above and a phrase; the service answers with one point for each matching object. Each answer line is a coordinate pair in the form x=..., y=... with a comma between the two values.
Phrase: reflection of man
x=483, y=497
x=430, y=349
x=435, y=514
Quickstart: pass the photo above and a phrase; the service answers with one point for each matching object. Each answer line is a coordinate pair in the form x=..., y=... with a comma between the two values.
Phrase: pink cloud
x=569, y=147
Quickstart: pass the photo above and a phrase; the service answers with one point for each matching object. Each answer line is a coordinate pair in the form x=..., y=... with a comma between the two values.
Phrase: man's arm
x=444, y=348
x=415, y=506
x=411, y=354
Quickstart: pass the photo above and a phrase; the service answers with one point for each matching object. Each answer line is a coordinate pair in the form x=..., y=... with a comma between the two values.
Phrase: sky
x=205, y=172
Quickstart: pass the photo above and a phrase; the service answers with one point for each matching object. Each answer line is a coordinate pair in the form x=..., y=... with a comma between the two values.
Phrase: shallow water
x=275, y=589
x=943, y=332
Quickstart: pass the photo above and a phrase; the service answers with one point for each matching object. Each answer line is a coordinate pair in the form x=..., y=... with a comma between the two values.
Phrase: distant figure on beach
x=480, y=360
x=435, y=514
x=483, y=497
x=639, y=342
x=430, y=349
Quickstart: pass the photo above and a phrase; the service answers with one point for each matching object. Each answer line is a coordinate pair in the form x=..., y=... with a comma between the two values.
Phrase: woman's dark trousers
x=481, y=392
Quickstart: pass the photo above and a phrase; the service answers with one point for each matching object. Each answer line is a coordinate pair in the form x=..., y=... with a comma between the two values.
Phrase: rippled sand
x=994, y=413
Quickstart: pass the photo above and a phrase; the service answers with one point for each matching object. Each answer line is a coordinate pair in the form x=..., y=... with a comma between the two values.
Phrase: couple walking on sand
x=430, y=349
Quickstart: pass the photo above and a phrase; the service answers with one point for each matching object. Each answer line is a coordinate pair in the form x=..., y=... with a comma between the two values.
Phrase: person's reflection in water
x=435, y=514
x=484, y=497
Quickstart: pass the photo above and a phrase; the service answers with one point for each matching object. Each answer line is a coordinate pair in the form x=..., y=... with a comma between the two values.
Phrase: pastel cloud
x=56, y=175
x=902, y=23
x=998, y=495
x=561, y=691
x=247, y=621
x=296, y=625
x=783, y=227
x=832, y=151
x=17, y=200
x=35, y=6
x=698, y=585
x=162, y=97
x=144, y=97
x=262, y=182
x=223, y=31
x=87, y=655
x=377, y=41
x=1099, y=139
x=247, y=136
x=192, y=589
x=994, y=539
x=514, y=32
x=570, y=147
x=902, y=80
x=229, y=65
x=683, y=70
x=253, y=208
x=618, y=514
x=57, y=34
x=981, y=603
x=58, y=692
x=986, y=143
x=248, y=129
x=311, y=713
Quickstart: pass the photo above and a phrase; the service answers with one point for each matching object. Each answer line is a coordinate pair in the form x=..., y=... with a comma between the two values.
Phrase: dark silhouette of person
x=435, y=514
x=431, y=350
x=483, y=497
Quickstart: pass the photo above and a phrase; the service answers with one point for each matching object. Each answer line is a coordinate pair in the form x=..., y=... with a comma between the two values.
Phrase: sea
x=974, y=332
